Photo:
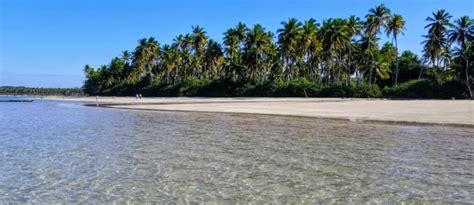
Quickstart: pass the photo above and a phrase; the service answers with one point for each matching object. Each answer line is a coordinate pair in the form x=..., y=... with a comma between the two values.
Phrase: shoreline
x=299, y=116
x=459, y=113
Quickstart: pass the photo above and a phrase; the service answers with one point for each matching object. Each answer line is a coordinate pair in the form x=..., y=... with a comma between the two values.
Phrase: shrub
x=351, y=90
x=295, y=88
x=426, y=88
x=367, y=91
x=193, y=87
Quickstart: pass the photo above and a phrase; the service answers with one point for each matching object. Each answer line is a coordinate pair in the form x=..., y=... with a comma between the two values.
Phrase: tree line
x=19, y=90
x=337, y=57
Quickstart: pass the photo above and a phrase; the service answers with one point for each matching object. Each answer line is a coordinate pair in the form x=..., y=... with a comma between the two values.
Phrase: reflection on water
x=64, y=152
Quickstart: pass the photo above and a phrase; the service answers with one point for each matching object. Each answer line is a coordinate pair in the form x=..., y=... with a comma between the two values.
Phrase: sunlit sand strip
x=183, y=100
x=445, y=112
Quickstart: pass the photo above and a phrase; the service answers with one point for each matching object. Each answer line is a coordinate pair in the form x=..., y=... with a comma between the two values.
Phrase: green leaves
x=336, y=54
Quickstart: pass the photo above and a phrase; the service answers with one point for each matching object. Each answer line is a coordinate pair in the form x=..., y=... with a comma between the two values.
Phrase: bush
x=303, y=87
x=193, y=87
x=295, y=88
x=426, y=88
x=251, y=90
x=351, y=90
x=367, y=91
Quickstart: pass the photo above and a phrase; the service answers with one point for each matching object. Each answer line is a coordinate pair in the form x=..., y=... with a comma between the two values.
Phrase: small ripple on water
x=74, y=154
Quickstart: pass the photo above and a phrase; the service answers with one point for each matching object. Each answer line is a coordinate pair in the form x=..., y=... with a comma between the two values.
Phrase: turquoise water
x=57, y=151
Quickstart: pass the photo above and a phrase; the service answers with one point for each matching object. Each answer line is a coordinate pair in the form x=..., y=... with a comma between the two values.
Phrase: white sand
x=453, y=112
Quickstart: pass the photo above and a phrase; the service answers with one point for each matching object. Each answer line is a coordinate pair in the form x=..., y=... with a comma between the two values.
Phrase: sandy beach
x=445, y=112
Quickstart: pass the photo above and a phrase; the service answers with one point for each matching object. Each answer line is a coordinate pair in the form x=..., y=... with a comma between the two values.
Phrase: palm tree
x=171, y=61
x=368, y=45
x=308, y=47
x=187, y=55
x=395, y=26
x=463, y=32
x=199, y=41
x=385, y=59
x=234, y=39
x=241, y=33
x=231, y=42
x=436, y=41
x=214, y=58
x=153, y=49
x=354, y=26
x=288, y=37
x=434, y=48
x=377, y=18
x=139, y=56
x=126, y=56
x=336, y=38
x=144, y=58
x=439, y=22
x=257, y=53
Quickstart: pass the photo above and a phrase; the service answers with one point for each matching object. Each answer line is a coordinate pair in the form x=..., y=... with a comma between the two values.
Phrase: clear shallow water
x=54, y=151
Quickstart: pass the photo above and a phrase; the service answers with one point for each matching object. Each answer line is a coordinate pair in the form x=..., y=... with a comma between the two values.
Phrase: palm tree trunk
x=421, y=72
x=357, y=78
x=371, y=68
x=360, y=77
x=287, y=70
x=349, y=63
x=468, y=84
x=321, y=72
x=348, y=79
x=370, y=74
x=396, y=62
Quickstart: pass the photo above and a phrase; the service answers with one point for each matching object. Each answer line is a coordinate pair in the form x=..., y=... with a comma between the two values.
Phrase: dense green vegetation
x=10, y=90
x=336, y=58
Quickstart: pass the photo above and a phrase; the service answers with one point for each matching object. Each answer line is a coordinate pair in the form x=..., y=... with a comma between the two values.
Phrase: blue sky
x=47, y=43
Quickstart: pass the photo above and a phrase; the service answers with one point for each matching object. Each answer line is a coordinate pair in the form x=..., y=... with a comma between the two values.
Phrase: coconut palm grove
x=338, y=57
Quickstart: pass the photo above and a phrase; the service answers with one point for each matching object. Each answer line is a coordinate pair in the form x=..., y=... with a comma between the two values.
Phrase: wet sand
x=446, y=112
